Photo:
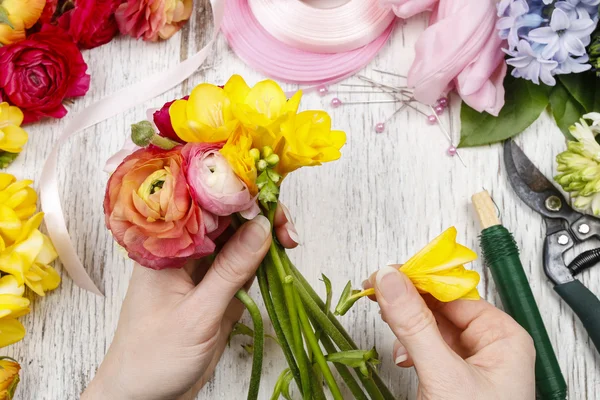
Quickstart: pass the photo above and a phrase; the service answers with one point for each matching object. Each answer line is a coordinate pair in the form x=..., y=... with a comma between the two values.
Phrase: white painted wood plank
x=386, y=198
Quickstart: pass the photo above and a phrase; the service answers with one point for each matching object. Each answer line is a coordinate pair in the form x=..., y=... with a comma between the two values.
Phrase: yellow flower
x=12, y=136
x=437, y=269
x=262, y=108
x=29, y=257
x=9, y=378
x=205, y=117
x=306, y=140
x=17, y=203
x=21, y=14
x=237, y=153
x=12, y=305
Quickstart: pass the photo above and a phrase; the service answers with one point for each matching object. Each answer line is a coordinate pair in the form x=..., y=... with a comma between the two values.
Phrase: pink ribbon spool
x=261, y=51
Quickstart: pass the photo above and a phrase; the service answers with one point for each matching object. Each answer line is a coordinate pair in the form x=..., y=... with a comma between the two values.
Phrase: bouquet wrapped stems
x=310, y=335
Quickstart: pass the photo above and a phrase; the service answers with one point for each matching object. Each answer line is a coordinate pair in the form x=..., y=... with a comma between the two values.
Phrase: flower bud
x=142, y=133
x=272, y=160
x=261, y=165
x=267, y=151
x=255, y=153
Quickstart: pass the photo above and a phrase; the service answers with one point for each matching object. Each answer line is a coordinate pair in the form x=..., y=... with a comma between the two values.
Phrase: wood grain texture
x=386, y=198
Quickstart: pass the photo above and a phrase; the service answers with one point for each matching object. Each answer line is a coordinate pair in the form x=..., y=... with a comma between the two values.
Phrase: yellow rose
x=206, y=116
x=306, y=139
x=9, y=378
x=17, y=203
x=262, y=108
x=237, y=153
x=12, y=305
x=29, y=257
x=12, y=136
x=21, y=14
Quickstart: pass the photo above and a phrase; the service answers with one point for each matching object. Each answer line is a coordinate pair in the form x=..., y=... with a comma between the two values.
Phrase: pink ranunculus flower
x=461, y=49
x=150, y=211
x=214, y=184
x=152, y=20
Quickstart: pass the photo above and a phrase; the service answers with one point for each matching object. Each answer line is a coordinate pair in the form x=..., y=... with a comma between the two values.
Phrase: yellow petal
x=9, y=377
x=30, y=226
x=10, y=224
x=16, y=304
x=9, y=285
x=29, y=248
x=266, y=98
x=178, y=115
x=472, y=295
x=11, y=263
x=48, y=253
x=11, y=331
x=442, y=253
x=10, y=115
x=237, y=90
x=6, y=179
x=14, y=139
x=448, y=285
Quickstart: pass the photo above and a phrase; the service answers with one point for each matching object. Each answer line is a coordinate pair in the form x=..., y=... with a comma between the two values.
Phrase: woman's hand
x=174, y=324
x=463, y=350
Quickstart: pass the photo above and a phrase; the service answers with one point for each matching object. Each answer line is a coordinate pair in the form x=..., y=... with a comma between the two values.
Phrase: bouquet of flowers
x=218, y=156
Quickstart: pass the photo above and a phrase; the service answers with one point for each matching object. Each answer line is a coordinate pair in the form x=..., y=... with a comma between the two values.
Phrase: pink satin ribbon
x=323, y=30
x=260, y=50
x=101, y=110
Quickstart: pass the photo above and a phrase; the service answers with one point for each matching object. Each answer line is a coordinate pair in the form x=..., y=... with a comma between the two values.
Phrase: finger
x=284, y=227
x=482, y=323
x=235, y=265
x=412, y=322
x=370, y=283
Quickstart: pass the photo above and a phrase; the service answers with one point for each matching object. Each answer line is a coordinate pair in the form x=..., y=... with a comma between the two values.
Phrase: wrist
x=106, y=385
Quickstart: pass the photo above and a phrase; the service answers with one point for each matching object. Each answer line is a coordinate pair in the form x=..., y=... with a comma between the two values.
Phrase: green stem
x=298, y=344
x=318, y=353
x=285, y=346
x=259, y=339
x=382, y=387
x=344, y=371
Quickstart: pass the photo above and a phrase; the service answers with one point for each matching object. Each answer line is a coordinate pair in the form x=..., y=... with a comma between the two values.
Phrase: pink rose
x=40, y=72
x=466, y=53
x=162, y=120
x=150, y=211
x=214, y=184
x=91, y=23
x=153, y=19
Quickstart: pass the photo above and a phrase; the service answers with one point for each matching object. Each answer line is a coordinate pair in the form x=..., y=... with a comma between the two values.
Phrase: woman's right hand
x=463, y=350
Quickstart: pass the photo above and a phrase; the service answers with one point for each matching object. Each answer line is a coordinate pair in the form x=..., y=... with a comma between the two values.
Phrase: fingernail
x=255, y=233
x=291, y=230
x=390, y=284
x=365, y=283
x=401, y=355
x=286, y=212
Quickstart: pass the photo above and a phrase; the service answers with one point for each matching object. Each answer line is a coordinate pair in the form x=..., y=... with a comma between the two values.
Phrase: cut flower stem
x=259, y=339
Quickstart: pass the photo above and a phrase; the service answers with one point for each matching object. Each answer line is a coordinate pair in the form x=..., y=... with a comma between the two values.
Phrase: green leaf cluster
x=573, y=96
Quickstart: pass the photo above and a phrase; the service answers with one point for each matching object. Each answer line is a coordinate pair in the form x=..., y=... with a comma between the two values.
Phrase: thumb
x=413, y=323
x=235, y=265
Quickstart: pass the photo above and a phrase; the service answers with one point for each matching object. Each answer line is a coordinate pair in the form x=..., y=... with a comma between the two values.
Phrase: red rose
x=38, y=73
x=91, y=23
x=151, y=213
x=162, y=120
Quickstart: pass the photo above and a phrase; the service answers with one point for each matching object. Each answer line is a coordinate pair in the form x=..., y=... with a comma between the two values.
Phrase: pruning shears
x=564, y=228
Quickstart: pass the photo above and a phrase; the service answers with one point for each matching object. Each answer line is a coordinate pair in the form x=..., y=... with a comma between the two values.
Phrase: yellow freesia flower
x=237, y=153
x=306, y=140
x=9, y=378
x=262, y=108
x=437, y=269
x=22, y=15
x=206, y=116
x=17, y=203
x=12, y=305
x=29, y=257
x=12, y=136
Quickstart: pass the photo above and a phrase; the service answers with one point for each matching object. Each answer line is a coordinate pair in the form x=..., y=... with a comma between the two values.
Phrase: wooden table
x=386, y=198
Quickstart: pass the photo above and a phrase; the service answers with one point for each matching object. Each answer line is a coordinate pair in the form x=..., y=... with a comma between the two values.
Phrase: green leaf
x=7, y=158
x=329, y=292
x=585, y=88
x=282, y=386
x=524, y=102
x=347, y=299
x=240, y=329
x=356, y=359
x=565, y=109
x=4, y=18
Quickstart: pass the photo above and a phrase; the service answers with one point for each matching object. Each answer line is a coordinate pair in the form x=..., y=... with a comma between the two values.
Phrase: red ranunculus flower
x=38, y=73
x=91, y=23
x=162, y=120
x=49, y=13
x=151, y=212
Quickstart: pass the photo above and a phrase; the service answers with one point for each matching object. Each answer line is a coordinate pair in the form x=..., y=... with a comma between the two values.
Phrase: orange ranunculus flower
x=151, y=213
x=9, y=378
x=21, y=14
x=153, y=19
